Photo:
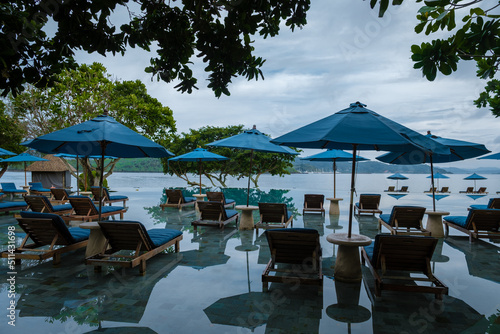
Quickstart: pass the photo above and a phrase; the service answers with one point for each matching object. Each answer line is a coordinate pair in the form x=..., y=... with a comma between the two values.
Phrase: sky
x=344, y=54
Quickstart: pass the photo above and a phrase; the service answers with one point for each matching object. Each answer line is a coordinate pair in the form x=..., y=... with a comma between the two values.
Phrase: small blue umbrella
x=103, y=136
x=475, y=177
x=24, y=157
x=359, y=128
x=199, y=155
x=252, y=140
x=333, y=155
x=397, y=177
x=436, y=176
x=5, y=152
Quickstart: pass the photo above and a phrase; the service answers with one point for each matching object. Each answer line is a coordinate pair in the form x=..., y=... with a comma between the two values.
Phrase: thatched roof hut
x=52, y=173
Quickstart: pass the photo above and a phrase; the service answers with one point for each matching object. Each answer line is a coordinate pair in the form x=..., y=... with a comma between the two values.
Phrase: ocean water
x=214, y=284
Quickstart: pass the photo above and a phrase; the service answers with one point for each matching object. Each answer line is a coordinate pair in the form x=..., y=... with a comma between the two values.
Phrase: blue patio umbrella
x=24, y=157
x=334, y=156
x=437, y=176
x=475, y=177
x=6, y=152
x=103, y=136
x=397, y=177
x=494, y=156
x=199, y=155
x=252, y=140
x=358, y=128
x=459, y=150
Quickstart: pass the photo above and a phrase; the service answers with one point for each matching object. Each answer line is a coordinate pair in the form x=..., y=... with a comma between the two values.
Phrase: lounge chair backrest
x=407, y=216
x=126, y=235
x=444, y=189
x=485, y=220
x=404, y=188
x=369, y=201
x=59, y=194
x=402, y=252
x=391, y=188
x=469, y=189
x=212, y=211
x=36, y=185
x=174, y=196
x=494, y=203
x=97, y=194
x=294, y=245
x=44, y=226
x=83, y=206
x=216, y=196
x=38, y=203
x=481, y=190
x=313, y=200
x=8, y=186
x=273, y=212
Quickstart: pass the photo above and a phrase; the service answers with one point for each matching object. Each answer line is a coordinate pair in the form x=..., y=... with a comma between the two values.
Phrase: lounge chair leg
x=142, y=267
x=56, y=259
x=265, y=287
x=97, y=269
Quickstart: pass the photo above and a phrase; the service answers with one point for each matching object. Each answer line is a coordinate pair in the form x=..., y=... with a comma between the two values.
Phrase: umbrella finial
x=358, y=104
x=428, y=132
x=105, y=112
x=254, y=127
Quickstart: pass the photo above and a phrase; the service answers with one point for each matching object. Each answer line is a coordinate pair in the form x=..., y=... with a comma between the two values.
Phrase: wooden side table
x=334, y=205
x=348, y=264
x=435, y=223
x=246, y=218
x=199, y=198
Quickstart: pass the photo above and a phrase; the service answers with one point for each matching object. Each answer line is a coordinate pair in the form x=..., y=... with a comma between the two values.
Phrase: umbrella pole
x=334, y=172
x=351, y=204
x=77, y=177
x=26, y=180
x=200, y=174
x=101, y=177
x=249, y=174
x=432, y=185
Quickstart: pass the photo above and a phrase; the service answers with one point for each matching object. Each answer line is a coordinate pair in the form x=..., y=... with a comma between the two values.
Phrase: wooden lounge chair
x=393, y=258
x=9, y=206
x=467, y=191
x=390, y=189
x=40, y=203
x=314, y=203
x=46, y=229
x=36, y=188
x=444, y=190
x=273, y=215
x=368, y=203
x=214, y=214
x=404, y=220
x=86, y=210
x=60, y=195
x=106, y=198
x=132, y=236
x=493, y=203
x=404, y=189
x=297, y=252
x=10, y=189
x=481, y=190
x=430, y=190
x=176, y=199
x=477, y=224
x=218, y=196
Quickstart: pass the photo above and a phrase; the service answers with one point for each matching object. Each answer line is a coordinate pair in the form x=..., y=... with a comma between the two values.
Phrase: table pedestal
x=334, y=205
x=246, y=217
x=27, y=188
x=435, y=223
x=199, y=198
x=96, y=239
x=348, y=264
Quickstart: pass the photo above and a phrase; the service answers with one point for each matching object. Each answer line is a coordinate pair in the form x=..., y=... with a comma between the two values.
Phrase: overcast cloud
x=344, y=54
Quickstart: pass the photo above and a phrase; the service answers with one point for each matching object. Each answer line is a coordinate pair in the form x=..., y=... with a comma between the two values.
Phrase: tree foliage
x=218, y=172
x=219, y=33
x=474, y=36
x=84, y=93
x=11, y=134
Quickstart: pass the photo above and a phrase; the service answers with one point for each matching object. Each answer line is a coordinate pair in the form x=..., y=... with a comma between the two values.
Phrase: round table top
x=335, y=199
x=200, y=195
x=90, y=225
x=437, y=213
x=244, y=207
x=354, y=240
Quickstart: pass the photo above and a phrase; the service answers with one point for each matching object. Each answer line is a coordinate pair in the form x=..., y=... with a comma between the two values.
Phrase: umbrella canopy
x=24, y=157
x=475, y=177
x=200, y=155
x=334, y=156
x=5, y=152
x=459, y=150
x=359, y=128
x=103, y=136
x=252, y=140
x=397, y=177
x=494, y=156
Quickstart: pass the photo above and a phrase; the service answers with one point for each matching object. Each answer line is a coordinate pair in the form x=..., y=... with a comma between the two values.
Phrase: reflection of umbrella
x=358, y=128
x=199, y=154
x=475, y=177
x=247, y=246
x=333, y=155
x=397, y=196
x=24, y=157
x=397, y=177
x=102, y=135
x=253, y=140
x=459, y=150
x=5, y=152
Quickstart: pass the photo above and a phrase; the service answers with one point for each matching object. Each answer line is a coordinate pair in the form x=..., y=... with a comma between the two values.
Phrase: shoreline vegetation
x=146, y=165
